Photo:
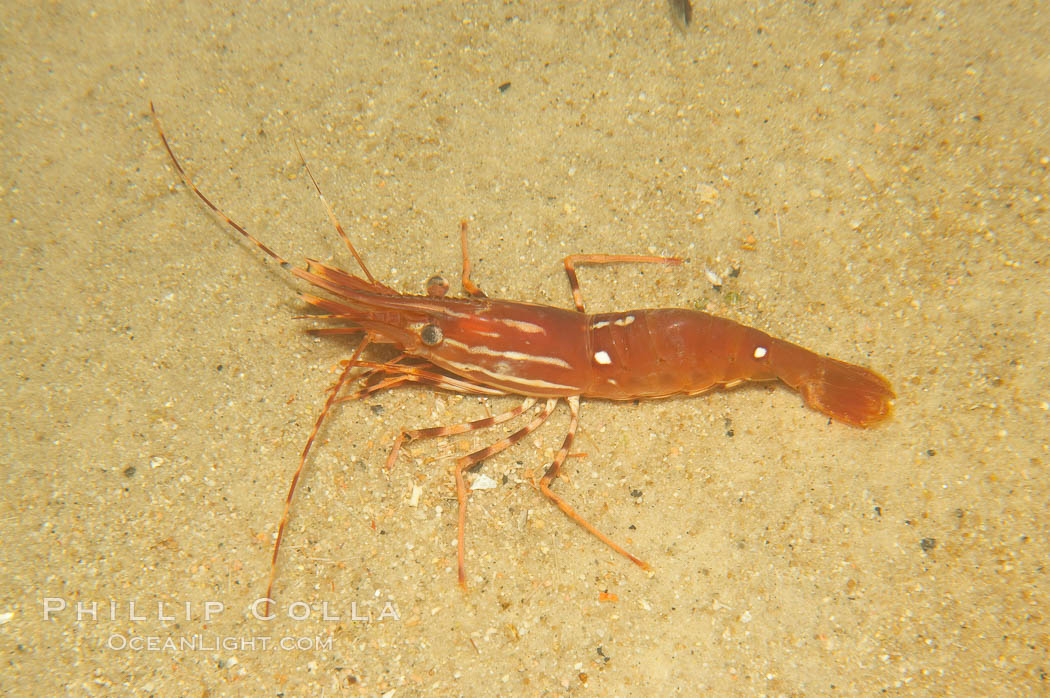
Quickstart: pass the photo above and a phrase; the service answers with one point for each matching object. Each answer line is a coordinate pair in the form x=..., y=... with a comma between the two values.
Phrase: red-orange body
x=542, y=351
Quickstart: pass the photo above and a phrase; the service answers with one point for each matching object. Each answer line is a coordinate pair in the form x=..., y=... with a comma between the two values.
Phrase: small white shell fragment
x=708, y=194
x=413, y=501
x=6, y=616
x=714, y=278
x=483, y=482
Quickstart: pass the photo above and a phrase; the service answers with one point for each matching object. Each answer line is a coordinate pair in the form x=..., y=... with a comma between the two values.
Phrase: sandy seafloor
x=889, y=162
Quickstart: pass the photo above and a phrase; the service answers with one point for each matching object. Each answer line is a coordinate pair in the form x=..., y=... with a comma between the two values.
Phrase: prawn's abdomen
x=661, y=352
x=667, y=351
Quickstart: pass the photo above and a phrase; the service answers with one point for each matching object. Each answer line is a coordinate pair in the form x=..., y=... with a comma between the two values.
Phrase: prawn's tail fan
x=845, y=392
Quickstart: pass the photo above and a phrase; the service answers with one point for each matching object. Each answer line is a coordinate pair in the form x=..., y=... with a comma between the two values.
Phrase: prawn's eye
x=437, y=286
x=431, y=335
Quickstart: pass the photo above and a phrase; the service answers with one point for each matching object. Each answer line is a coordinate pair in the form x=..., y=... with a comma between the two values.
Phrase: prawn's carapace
x=484, y=346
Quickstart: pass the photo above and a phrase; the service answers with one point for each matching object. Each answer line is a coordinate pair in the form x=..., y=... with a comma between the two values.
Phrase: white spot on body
x=624, y=321
x=602, y=357
x=760, y=352
x=600, y=324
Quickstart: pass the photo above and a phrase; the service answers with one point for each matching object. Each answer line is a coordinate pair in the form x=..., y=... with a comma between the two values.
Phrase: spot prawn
x=478, y=345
